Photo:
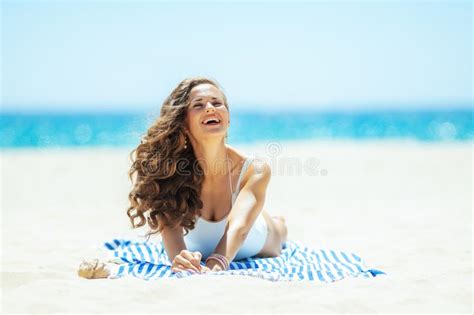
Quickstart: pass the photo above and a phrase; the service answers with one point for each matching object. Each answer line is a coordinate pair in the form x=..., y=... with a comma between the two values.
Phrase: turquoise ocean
x=123, y=129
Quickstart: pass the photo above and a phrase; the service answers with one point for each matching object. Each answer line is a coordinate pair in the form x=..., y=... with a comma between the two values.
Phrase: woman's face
x=206, y=102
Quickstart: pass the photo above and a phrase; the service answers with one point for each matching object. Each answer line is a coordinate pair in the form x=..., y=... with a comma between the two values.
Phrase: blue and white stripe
x=149, y=261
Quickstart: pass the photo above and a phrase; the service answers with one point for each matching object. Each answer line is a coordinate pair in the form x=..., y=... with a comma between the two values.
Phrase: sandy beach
x=404, y=207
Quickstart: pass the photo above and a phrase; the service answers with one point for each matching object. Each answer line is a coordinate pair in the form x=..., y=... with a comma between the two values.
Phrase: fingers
x=179, y=268
x=205, y=269
x=184, y=263
x=197, y=255
x=197, y=260
x=187, y=261
x=194, y=258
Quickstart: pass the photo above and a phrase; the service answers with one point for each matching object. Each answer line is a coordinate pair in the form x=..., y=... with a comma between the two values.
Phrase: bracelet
x=222, y=260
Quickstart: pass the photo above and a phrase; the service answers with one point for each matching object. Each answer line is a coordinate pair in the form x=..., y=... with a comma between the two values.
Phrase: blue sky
x=129, y=55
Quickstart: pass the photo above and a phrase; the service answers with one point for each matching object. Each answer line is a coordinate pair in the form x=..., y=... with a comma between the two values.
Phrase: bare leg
x=277, y=234
x=281, y=227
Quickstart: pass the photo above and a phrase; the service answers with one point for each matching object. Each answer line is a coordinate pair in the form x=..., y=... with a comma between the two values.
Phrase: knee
x=282, y=228
x=285, y=234
x=276, y=251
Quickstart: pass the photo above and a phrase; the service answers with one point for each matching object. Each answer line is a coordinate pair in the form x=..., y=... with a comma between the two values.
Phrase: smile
x=211, y=121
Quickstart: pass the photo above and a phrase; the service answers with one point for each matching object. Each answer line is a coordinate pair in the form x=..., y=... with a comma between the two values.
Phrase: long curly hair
x=166, y=177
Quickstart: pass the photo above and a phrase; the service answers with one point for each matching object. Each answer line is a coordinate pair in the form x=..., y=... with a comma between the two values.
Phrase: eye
x=217, y=104
x=196, y=105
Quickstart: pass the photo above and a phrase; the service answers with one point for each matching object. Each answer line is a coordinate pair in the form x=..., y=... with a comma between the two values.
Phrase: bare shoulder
x=258, y=168
x=238, y=158
x=258, y=171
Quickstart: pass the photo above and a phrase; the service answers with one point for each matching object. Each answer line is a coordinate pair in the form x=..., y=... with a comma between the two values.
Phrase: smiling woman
x=205, y=197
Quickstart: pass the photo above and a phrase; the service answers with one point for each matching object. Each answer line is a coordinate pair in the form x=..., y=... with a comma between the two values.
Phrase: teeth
x=211, y=119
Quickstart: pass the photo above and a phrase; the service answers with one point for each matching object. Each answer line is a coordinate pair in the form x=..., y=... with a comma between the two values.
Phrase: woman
x=204, y=197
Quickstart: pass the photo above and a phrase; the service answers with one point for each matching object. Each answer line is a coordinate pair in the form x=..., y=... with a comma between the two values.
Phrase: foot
x=93, y=269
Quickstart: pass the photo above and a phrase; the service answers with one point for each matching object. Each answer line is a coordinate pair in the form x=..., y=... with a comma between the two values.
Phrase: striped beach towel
x=149, y=261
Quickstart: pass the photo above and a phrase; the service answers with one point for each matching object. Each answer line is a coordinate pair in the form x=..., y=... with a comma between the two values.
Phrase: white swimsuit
x=207, y=234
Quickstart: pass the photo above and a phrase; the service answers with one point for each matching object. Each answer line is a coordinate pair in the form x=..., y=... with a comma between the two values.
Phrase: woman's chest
x=217, y=200
x=215, y=206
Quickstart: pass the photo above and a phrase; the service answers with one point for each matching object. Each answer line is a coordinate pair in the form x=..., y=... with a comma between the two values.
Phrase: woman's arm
x=247, y=208
x=173, y=240
x=180, y=257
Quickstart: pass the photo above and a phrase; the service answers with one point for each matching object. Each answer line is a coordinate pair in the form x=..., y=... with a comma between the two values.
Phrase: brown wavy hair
x=166, y=178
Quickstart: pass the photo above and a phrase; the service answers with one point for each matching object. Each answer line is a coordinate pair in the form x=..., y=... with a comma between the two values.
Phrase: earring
x=185, y=142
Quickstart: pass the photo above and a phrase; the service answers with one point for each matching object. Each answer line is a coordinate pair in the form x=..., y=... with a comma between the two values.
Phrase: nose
x=210, y=108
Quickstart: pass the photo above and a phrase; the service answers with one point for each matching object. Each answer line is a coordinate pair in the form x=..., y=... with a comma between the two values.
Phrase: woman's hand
x=186, y=260
x=205, y=269
x=213, y=265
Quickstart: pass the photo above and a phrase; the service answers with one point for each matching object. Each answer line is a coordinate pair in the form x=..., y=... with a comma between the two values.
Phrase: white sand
x=404, y=207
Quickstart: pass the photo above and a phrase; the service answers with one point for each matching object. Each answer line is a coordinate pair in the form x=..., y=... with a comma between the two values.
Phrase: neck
x=212, y=157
